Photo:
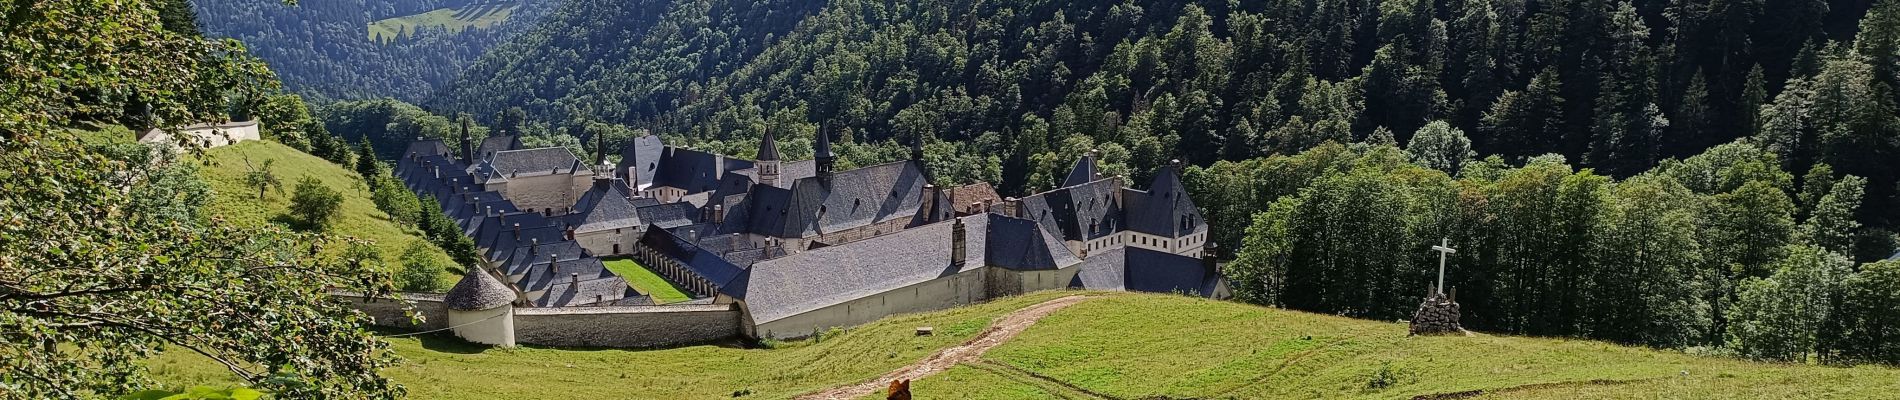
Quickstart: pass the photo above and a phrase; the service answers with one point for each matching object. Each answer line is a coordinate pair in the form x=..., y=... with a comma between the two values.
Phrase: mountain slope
x=1120, y=345
x=330, y=49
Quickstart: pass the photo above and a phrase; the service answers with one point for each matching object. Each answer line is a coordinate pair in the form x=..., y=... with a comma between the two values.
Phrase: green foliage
x=1440, y=146
x=1867, y=314
x=1831, y=226
x=103, y=283
x=314, y=204
x=1780, y=317
x=262, y=178
x=419, y=272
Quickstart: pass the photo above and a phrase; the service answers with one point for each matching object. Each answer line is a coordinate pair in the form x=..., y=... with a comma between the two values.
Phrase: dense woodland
x=321, y=48
x=1679, y=174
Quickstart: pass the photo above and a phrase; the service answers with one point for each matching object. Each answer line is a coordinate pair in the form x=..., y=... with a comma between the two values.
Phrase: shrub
x=315, y=204
x=419, y=271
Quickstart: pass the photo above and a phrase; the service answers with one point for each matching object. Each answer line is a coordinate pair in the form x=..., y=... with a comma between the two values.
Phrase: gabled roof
x=426, y=148
x=640, y=160
x=1103, y=270
x=609, y=290
x=791, y=285
x=606, y=206
x=1158, y=272
x=1164, y=209
x=517, y=261
x=1083, y=172
x=667, y=216
x=1019, y=245
x=496, y=144
x=478, y=291
x=507, y=164
x=1081, y=212
x=694, y=171
x=962, y=196
x=794, y=284
x=852, y=199
x=539, y=276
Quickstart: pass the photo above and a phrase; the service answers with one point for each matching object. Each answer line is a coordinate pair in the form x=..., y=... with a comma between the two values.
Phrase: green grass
x=646, y=281
x=481, y=15
x=236, y=202
x=1119, y=345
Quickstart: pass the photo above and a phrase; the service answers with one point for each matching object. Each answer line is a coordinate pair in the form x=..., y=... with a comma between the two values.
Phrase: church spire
x=468, y=144
x=768, y=147
x=825, y=160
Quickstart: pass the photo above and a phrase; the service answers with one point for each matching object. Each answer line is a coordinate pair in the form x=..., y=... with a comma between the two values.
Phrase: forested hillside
x=326, y=49
x=1616, y=86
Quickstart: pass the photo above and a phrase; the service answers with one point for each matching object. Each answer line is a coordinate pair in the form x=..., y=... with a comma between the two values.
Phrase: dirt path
x=1002, y=330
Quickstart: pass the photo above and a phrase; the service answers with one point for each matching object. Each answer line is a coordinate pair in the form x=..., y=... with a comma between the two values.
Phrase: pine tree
x=1626, y=134
x=1526, y=123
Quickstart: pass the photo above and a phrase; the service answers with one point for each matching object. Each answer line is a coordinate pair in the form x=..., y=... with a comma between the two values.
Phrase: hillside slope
x=237, y=202
x=330, y=49
x=1117, y=345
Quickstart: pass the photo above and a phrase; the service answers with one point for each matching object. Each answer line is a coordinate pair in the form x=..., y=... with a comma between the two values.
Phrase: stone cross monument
x=1438, y=314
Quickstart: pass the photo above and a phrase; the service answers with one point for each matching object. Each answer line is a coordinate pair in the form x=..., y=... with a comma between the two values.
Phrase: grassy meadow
x=224, y=169
x=646, y=281
x=1120, y=345
x=478, y=16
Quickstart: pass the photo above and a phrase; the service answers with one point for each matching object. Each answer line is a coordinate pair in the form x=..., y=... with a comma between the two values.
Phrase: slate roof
x=1082, y=212
x=587, y=292
x=478, y=290
x=1143, y=270
x=1158, y=272
x=1019, y=245
x=768, y=147
x=852, y=199
x=667, y=216
x=1164, y=209
x=517, y=261
x=803, y=282
x=708, y=265
x=605, y=207
x=1105, y=269
x=1083, y=172
x=496, y=144
x=694, y=171
x=426, y=148
x=640, y=158
x=503, y=165
x=540, y=277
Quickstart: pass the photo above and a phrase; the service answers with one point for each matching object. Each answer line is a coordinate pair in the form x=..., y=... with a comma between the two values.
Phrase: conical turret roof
x=478, y=290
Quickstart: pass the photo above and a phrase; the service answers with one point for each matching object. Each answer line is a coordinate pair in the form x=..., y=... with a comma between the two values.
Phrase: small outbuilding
x=481, y=309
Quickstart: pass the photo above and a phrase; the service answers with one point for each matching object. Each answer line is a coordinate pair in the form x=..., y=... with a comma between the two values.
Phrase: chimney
x=719, y=214
x=517, y=231
x=1013, y=207
x=551, y=261
x=958, y=252
x=574, y=280
x=930, y=202
x=534, y=246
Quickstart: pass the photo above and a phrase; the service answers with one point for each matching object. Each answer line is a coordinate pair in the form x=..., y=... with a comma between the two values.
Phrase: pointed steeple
x=825, y=160
x=600, y=149
x=768, y=147
x=468, y=143
x=917, y=148
x=1084, y=171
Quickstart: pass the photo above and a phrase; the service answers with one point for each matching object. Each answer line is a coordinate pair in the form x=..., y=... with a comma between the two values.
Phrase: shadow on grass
x=444, y=341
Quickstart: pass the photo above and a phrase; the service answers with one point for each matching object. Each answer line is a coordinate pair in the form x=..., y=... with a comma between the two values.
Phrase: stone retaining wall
x=615, y=326
x=389, y=313
x=626, y=326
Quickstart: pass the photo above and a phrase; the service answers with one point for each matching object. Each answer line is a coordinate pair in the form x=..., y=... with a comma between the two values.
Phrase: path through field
x=1006, y=327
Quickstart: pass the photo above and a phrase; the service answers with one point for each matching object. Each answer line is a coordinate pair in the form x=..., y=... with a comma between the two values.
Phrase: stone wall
x=626, y=326
x=389, y=313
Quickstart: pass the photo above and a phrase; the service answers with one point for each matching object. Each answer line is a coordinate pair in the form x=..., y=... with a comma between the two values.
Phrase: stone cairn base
x=1438, y=315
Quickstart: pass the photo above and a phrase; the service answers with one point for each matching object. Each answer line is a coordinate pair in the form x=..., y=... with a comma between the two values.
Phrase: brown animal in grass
x=900, y=390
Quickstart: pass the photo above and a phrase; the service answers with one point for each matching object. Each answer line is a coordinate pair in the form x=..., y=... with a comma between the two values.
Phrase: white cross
x=1443, y=251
